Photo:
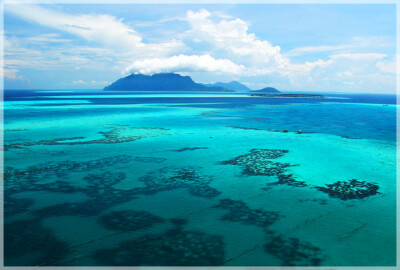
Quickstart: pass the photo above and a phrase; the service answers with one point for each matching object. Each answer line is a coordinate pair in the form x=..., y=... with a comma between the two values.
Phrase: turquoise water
x=99, y=179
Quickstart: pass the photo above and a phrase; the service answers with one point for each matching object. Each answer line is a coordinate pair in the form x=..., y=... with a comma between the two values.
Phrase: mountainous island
x=266, y=90
x=161, y=82
x=176, y=82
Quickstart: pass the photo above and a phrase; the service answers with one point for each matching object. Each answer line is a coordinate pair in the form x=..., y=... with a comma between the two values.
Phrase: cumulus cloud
x=185, y=63
x=230, y=37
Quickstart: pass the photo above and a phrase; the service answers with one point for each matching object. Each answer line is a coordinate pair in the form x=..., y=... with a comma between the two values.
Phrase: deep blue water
x=354, y=121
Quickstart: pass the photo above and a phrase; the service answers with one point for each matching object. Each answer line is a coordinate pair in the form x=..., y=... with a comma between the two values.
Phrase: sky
x=292, y=47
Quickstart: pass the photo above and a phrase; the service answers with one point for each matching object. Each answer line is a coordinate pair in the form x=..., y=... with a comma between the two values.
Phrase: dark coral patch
x=293, y=252
x=101, y=193
x=173, y=248
x=116, y=134
x=287, y=179
x=185, y=177
x=62, y=168
x=240, y=212
x=189, y=149
x=258, y=162
x=129, y=220
x=351, y=189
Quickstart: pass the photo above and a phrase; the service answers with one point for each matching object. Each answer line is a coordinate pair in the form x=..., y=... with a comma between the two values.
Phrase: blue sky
x=293, y=47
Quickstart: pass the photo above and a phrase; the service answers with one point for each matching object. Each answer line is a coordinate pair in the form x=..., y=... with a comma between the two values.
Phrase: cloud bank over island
x=209, y=45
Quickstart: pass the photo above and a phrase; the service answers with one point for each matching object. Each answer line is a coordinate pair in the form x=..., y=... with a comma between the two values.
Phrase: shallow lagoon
x=180, y=180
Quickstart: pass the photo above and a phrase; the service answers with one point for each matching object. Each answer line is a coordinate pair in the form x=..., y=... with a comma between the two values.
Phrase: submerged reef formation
x=175, y=247
x=257, y=162
x=149, y=159
x=101, y=193
x=28, y=243
x=189, y=149
x=240, y=212
x=28, y=179
x=293, y=252
x=258, y=154
x=289, y=180
x=129, y=220
x=42, y=142
x=351, y=189
x=271, y=130
x=61, y=168
x=116, y=134
x=190, y=178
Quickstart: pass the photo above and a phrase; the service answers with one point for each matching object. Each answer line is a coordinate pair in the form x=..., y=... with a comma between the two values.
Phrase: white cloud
x=231, y=39
x=103, y=29
x=185, y=63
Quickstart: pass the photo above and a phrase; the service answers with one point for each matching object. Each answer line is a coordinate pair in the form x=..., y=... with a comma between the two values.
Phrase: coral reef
x=351, y=189
x=175, y=247
x=288, y=179
x=101, y=193
x=129, y=220
x=185, y=177
x=293, y=252
x=41, y=142
x=257, y=162
x=116, y=134
x=189, y=149
x=61, y=168
x=149, y=159
x=240, y=212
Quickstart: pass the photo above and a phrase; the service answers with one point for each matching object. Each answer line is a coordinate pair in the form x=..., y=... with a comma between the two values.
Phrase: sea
x=98, y=178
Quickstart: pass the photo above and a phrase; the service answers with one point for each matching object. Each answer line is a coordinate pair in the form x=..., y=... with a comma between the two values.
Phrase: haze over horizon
x=308, y=47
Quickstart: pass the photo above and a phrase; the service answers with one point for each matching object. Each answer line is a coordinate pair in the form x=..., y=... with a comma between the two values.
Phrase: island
x=160, y=82
x=266, y=90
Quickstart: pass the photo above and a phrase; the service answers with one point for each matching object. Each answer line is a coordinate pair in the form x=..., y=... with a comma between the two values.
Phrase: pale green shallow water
x=357, y=232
